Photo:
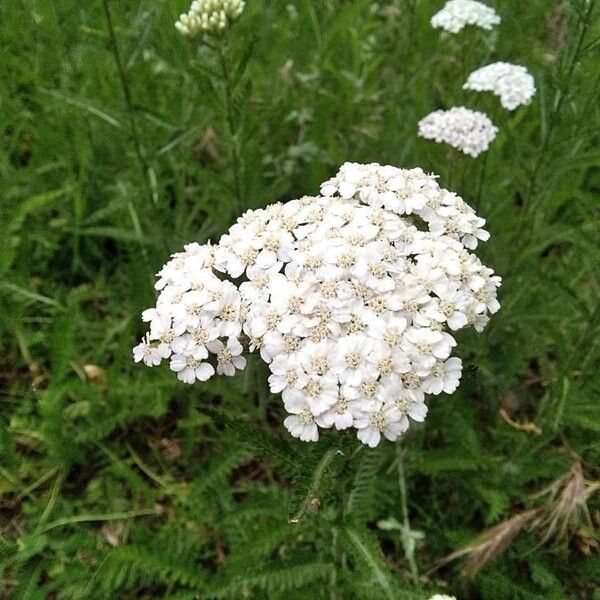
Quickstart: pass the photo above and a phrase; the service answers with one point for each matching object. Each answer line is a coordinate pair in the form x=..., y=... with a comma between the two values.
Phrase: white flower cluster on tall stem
x=210, y=16
x=457, y=14
x=513, y=84
x=470, y=131
x=351, y=298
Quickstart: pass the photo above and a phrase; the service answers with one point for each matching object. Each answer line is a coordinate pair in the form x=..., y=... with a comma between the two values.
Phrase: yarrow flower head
x=210, y=16
x=456, y=14
x=469, y=131
x=352, y=298
x=513, y=84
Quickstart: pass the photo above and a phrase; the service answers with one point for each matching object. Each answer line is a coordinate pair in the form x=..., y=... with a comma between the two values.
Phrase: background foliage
x=120, y=482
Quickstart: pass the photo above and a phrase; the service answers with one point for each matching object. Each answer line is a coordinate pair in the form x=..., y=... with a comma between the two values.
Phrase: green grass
x=119, y=482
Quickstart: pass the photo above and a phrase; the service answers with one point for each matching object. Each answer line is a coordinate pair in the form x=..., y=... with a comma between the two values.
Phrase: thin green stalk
x=480, y=180
x=589, y=105
x=532, y=196
x=374, y=564
x=234, y=148
x=339, y=556
x=145, y=468
x=411, y=11
x=51, y=502
x=484, y=165
x=586, y=343
x=408, y=539
x=119, y=516
x=37, y=483
x=147, y=173
x=318, y=474
x=451, y=162
x=334, y=579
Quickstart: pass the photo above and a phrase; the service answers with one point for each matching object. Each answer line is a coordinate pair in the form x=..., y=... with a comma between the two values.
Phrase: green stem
x=480, y=180
x=135, y=136
x=315, y=484
x=120, y=516
x=41, y=480
x=234, y=149
x=532, y=196
x=373, y=563
x=411, y=11
x=407, y=531
x=585, y=344
x=337, y=564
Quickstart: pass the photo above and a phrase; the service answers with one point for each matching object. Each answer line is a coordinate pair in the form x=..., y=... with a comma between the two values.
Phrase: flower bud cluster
x=513, y=84
x=469, y=131
x=457, y=14
x=352, y=298
x=210, y=16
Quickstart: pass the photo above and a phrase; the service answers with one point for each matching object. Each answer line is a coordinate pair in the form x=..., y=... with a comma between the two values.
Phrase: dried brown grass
x=562, y=510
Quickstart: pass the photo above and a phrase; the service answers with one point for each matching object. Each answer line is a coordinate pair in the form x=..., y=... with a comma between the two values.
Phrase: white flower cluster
x=211, y=16
x=349, y=297
x=470, y=131
x=197, y=315
x=513, y=84
x=456, y=14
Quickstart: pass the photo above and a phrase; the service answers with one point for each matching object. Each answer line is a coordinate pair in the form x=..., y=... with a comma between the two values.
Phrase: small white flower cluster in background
x=457, y=14
x=511, y=83
x=352, y=298
x=467, y=130
x=210, y=16
x=442, y=597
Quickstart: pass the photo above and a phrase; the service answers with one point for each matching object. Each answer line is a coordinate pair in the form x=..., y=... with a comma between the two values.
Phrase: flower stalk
x=232, y=126
x=147, y=172
x=408, y=537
